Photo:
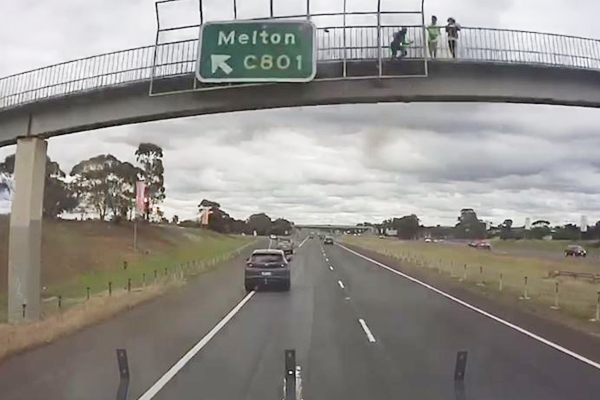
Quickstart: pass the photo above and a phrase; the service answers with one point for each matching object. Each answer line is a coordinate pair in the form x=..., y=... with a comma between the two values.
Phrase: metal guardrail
x=335, y=43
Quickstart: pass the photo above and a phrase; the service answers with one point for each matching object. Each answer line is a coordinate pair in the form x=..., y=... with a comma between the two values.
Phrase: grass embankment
x=81, y=255
x=577, y=298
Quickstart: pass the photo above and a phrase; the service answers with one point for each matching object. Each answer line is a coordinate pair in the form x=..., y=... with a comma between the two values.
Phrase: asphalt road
x=359, y=331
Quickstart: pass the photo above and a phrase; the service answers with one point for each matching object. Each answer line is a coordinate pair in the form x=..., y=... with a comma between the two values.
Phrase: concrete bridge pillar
x=25, y=237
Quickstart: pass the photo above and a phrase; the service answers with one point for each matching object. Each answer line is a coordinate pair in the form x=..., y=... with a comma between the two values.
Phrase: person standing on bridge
x=452, y=30
x=399, y=44
x=433, y=36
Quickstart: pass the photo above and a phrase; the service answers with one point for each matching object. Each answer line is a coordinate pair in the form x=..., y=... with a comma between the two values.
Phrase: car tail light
x=249, y=264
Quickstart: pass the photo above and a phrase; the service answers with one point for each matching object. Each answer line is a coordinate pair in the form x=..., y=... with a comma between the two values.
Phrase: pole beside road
x=525, y=295
x=555, y=306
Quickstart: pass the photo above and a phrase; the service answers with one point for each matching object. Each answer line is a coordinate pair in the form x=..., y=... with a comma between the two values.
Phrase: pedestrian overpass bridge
x=158, y=82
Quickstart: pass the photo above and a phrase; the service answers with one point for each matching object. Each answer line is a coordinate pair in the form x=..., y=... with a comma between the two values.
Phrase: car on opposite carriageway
x=575, y=251
x=267, y=268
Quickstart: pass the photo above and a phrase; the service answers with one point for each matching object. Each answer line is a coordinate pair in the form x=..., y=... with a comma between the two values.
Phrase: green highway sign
x=257, y=51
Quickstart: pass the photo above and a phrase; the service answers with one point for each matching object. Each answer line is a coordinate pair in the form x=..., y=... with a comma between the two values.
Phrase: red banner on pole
x=140, y=195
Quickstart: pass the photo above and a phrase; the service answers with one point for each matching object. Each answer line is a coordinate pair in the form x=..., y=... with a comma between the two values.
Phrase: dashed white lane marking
x=326, y=259
x=482, y=312
x=331, y=268
x=341, y=284
x=163, y=380
x=367, y=330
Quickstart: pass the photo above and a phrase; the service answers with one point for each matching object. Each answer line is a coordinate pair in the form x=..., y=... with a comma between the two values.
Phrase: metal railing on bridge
x=335, y=43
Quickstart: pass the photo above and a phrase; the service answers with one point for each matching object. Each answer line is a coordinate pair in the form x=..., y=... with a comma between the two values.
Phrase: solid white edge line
x=341, y=284
x=367, y=330
x=482, y=312
x=163, y=380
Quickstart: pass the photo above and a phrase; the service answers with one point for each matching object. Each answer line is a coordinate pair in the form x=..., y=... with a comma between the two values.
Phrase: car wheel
x=248, y=287
x=286, y=286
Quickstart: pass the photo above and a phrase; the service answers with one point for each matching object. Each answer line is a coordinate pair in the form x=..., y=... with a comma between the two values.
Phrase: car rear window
x=266, y=258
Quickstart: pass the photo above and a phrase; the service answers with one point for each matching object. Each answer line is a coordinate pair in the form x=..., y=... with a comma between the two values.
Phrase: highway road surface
x=360, y=331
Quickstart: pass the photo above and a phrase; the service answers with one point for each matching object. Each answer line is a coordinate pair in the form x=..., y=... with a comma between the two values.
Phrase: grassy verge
x=500, y=276
x=17, y=338
x=556, y=247
x=77, y=311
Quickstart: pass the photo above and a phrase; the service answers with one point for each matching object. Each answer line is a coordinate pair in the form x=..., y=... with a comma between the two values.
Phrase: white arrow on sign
x=220, y=61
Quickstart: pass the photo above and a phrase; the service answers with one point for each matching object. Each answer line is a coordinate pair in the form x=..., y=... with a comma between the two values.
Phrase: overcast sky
x=343, y=164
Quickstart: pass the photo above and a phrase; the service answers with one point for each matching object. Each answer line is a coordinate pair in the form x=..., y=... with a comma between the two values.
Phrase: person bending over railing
x=399, y=44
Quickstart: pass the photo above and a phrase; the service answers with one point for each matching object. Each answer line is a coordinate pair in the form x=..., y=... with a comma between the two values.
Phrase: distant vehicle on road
x=482, y=245
x=273, y=237
x=286, y=245
x=267, y=268
x=575, y=251
x=328, y=240
x=428, y=240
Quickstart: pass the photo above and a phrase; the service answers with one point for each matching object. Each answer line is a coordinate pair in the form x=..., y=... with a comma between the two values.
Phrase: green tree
x=540, y=229
x=175, y=219
x=281, y=227
x=105, y=184
x=261, y=223
x=58, y=195
x=406, y=227
x=469, y=226
x=567, y=232
x=150, y=158
x=506, y=229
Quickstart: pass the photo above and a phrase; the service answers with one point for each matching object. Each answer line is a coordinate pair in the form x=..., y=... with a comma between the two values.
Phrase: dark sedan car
x=575, y=251
x=266, y=268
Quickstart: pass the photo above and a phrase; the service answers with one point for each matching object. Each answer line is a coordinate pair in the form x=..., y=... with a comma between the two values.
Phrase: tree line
x=469, y=226
x=220, y=221
x=102, y=185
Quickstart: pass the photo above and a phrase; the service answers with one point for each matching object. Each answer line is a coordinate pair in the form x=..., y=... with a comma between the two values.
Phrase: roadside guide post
x=500, y=284
x=597, y=318
x=481, y=283
x=525, y=290
x=257, y=51
x=555, y=306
